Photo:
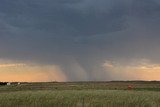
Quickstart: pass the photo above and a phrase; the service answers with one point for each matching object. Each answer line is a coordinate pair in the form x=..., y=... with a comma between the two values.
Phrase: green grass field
x=81, y=94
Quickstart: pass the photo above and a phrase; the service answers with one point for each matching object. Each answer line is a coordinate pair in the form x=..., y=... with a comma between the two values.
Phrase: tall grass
x=94, y=98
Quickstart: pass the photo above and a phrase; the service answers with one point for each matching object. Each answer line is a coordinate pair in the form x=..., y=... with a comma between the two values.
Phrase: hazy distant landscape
x=81, y=94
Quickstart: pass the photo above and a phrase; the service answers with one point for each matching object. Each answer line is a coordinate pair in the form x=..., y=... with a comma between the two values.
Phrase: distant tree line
x=3, y=83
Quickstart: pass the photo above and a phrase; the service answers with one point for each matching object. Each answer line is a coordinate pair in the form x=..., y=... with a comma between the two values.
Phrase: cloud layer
x=80, y=35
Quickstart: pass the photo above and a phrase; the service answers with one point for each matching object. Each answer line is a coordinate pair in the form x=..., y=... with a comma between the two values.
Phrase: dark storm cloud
x=62, y=17
x=79, y=33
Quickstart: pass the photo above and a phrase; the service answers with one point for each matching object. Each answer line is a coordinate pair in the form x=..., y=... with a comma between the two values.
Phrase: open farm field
x=81, y=94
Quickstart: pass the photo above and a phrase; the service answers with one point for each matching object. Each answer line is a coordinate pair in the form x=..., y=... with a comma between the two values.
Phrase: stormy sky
x=79, y=40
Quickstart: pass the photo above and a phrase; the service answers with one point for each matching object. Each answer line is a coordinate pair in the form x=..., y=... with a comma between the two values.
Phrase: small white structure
x=8, y=83
x=19, y=83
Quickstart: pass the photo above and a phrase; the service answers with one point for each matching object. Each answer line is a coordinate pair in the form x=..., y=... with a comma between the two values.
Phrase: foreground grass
x=71, y=98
